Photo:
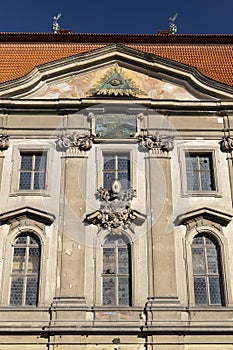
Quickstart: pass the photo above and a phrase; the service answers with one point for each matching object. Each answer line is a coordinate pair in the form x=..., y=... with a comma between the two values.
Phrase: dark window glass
x=116, y=272
x=207, y=274
x=25, y=270
x=199, y=172
x=32, y=171
x=116, y=167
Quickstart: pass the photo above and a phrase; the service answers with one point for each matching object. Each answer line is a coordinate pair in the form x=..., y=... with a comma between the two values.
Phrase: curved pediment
x=115, y=70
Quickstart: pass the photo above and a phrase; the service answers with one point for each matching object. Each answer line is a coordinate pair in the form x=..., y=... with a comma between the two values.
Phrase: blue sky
x=121, y=16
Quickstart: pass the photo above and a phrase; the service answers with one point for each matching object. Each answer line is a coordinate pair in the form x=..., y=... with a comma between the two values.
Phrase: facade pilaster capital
x=4, y=142
x=82, y=142
x=226, y=144
x=156, y=144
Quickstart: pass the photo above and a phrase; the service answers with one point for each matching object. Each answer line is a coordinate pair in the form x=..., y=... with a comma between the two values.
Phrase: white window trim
x=224, y=256
x=8, y=260
x=15, y=174
x=215, y=159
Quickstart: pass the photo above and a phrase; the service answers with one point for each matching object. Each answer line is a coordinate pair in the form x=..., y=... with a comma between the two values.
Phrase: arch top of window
x=112, y=239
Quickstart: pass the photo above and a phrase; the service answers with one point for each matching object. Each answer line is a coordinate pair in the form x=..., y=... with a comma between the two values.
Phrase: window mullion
x=33, y=171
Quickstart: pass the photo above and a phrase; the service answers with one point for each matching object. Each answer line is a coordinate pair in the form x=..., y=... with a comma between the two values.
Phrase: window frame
x=116, y=275
x=16, y=166
x=217, y=236
x=199, y=150
x=25, y=274
x=206, y=274
x=115, y=149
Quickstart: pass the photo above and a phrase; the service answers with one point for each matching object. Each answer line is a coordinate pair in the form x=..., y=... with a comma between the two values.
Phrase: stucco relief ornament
x=156, y=143
x=226, y=144
x=115, y=210
x=4, y=142
x=81, y=141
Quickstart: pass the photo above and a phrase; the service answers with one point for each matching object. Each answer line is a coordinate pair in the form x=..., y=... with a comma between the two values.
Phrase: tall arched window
x=25, y=270
x=207, y=271
x=116, y=276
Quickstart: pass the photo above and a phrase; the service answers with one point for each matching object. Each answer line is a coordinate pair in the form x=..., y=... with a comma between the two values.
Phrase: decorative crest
x=56, y=26
x=172, y=26
x=115, y=210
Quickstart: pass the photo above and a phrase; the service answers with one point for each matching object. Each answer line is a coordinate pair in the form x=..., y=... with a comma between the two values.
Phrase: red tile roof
x=212, y=55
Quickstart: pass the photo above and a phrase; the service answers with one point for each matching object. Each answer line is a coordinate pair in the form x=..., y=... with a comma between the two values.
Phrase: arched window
x=25, y=270
x=207, y=271
x=116, y=276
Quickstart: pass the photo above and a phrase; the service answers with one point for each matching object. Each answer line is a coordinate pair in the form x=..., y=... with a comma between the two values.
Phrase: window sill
x=202, y=194
x=30, y=193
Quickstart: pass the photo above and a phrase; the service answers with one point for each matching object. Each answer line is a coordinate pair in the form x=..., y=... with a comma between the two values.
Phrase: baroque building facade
x=116, y=191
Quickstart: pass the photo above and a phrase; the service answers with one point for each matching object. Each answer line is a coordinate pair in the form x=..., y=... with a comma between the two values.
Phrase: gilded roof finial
x=172, y=26
x=56, y=26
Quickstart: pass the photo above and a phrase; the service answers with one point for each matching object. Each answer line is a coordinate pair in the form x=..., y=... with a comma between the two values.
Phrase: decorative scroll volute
x=226, y=144
x=4, y=142
x=80, y=141
x=155, y=144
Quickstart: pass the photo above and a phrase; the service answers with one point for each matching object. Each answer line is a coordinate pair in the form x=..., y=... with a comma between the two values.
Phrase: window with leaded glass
x=207, y=272
x=199, y=172
x=116, y=276
x=25, y=270
x=116, y=167
x=32, y=173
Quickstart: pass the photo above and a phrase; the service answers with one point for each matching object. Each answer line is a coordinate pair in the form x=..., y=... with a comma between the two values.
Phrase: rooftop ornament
x=172, y=26
x=56, y=26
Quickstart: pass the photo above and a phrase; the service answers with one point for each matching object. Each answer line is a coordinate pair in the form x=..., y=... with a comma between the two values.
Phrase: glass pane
x=108, y=290
x=204, y=162
x=22, y=239
x=206, y=182
x=34, y=240
x=31, y=291
x=198, y=261
x=212, y=261
x=123, y=163
x=124, y=180
x=109, y=162
x=34, y=260
x=39, y=181
x=198, y=240
x=25, y=180
x=191, y=162
x=215, y=291
x=108, y=180
x=123, y=260
x=192, y=181
x=19, y=260
x=40, y=162
x=200, y=291
x=26, y=161
x=16, y=297
x=109, y=260
x=123, y=290
x=208, y=241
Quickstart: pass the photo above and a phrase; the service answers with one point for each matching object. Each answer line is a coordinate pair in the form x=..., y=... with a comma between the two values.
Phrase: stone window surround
x=15, y=173
x=222, y=241
x=115, y=149
x=24, y=220
x=214, y=151
x=99, y=269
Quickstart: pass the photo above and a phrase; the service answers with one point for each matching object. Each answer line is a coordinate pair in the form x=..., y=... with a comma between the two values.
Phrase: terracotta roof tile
x=211, y=55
